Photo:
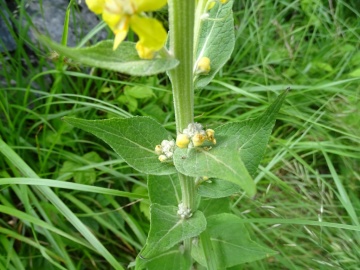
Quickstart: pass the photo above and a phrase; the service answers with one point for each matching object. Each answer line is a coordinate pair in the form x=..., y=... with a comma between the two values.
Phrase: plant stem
x=188, y=191
x=181, y=19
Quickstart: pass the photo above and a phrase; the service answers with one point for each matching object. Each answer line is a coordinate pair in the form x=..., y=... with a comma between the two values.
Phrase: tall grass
x=307, y=207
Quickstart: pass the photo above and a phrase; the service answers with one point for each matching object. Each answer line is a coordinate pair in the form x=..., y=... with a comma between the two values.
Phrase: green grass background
x=308, y=202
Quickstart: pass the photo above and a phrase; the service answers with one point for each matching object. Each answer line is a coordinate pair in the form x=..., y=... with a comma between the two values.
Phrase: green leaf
x=155, y=111
x=130, y=102
x=124, y=59
x=71, y=169
x=237, y=154
x=164, y=189
x=253, y=135
x=168, y=229
x=144, y=204
x=355, y=73
x=93, y=157
x=216, y=188
x=211, y=206
x=322, y=66
x=231, y=243
x=222, y=161
x=66, y=172
x=171, y=259
x=139, y=91
x=216, y=40
x=134, y=139
x=87, y=177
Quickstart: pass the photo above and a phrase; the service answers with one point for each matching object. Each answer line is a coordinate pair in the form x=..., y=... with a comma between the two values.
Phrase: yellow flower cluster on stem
x=122, y=15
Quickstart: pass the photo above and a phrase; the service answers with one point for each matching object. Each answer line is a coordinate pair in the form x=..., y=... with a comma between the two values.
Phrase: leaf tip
x=252, y=191
x=68, y=119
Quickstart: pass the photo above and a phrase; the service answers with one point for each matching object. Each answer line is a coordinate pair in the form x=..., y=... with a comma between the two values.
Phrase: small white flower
x=194, y=128
x=184, y=212
x=168, y=148
x=165, y=150
x=204, y=16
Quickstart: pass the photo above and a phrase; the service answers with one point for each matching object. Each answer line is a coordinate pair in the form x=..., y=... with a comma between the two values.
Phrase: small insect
x=183, y=157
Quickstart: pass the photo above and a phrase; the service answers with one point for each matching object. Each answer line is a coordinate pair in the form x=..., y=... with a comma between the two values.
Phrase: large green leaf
x=164, y=189
x=216, y=40
x=168, y=229
x=231, y=243
x=222, y=161
x=134, y=139
x=237, y=154
x=253, y=135
x=217, y=188
x=210, y=206
x=124, y=59
x=171, y=259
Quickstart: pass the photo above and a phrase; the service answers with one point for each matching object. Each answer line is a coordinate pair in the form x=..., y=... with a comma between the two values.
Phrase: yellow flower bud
x=162, y=158
x=203, y=66
x=211, y=5
x=210, y=135
x=182, y=140
x=198, y=139
x=158, y=149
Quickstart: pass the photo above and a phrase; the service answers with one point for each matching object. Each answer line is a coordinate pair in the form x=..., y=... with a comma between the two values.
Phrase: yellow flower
x=158, y=149
x=182, y=140
x=210, y=134
x=198, y=139
x=203, y=66
x=162, y=158
x=121, y=15
x=212, y=4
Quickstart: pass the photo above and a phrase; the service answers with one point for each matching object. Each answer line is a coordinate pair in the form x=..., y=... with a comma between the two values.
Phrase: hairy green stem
x=181, y=22
x=181, y=19
x=188, y=191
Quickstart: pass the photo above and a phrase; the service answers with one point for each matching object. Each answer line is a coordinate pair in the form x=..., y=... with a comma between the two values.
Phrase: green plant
x=203, y=167
x=307, y=202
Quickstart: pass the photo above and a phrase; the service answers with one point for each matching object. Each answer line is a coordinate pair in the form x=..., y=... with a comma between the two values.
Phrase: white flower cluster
x=193, y=129
x=165, y=150
x=184, y=212
x=194, y=135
